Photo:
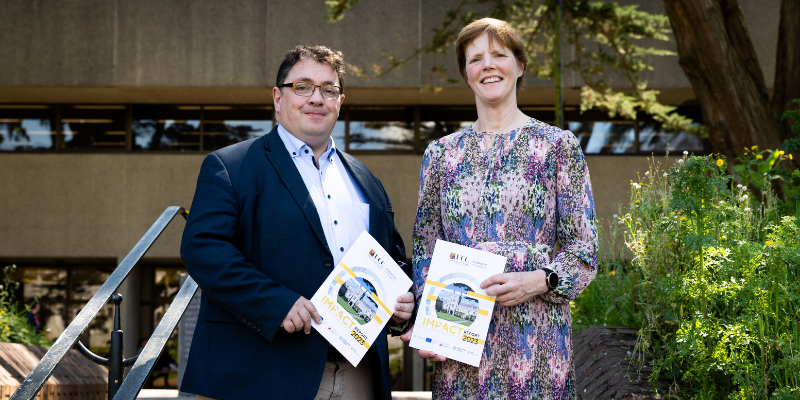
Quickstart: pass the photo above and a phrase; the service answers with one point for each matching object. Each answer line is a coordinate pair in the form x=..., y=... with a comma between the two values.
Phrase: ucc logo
x=459, y=258
x=374, y=255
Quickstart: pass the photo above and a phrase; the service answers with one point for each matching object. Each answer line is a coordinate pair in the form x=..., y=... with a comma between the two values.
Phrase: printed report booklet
x=454, y=312
x=358, y=298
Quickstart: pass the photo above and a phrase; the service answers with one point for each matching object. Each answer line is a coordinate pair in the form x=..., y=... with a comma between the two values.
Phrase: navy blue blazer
x=254, y=244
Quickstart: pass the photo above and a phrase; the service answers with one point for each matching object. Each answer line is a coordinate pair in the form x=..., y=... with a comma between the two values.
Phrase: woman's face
x=492, y=70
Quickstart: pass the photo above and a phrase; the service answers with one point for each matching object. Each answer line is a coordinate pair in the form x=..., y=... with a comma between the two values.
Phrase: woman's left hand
x=512, y=288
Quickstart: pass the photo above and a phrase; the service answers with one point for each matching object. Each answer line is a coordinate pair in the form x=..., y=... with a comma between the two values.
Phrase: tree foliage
x=608, y=40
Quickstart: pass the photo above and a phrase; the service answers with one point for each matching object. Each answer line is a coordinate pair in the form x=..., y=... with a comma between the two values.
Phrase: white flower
x=616, y=216
x=620, y=222
x=743, y=198
x=647, y=173
x=680, y=161
x=739, y=186
x=635, y=185
x=686, y=153
x=665, y=175
x=747, y=209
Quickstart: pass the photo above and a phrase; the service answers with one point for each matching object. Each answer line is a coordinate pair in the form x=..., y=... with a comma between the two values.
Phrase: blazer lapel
x=356, y=171
x=279, y=157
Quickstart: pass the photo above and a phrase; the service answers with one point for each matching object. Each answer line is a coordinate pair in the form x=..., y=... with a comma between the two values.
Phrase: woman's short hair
x=500, y=32
x=320, y=54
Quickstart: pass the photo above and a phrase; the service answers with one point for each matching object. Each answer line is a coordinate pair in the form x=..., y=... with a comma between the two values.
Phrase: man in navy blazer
x=269, y=220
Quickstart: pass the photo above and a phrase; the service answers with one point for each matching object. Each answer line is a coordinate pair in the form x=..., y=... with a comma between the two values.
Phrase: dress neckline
x=526, y=125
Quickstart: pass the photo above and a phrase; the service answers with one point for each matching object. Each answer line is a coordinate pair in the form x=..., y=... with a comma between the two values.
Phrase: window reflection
x=596, y=137
x=26, y=127
x=49, y=285
x=440, y=121
x=93, y=126
x=226, y=125
x=654, y=138
x=434, y=130
x=385, y=128
x=175, y=128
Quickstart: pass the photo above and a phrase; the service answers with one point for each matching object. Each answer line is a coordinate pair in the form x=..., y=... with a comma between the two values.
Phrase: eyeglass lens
x=307, y=89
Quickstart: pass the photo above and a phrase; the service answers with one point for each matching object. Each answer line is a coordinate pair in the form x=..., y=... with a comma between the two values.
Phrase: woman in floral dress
x=514, y=186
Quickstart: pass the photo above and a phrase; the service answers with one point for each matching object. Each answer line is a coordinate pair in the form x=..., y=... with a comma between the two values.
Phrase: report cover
x=454, y=313
x=358, y=298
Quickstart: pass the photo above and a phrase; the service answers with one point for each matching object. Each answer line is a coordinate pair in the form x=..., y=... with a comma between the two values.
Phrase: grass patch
x=350, y=310
x=458, y=320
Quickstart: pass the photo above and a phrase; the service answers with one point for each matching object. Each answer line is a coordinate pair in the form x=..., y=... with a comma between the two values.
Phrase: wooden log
x=75, y=377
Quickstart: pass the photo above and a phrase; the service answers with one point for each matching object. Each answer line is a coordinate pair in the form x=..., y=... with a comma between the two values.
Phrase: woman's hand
x=423, y=353
x=514, y=288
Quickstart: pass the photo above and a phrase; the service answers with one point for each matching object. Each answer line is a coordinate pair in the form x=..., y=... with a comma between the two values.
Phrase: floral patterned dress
x=516, y=195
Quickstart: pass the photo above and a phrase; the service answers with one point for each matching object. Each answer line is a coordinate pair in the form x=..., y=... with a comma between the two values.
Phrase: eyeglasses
x=306, y=89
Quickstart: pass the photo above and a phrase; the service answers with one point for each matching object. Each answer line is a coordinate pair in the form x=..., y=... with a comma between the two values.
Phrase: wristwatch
x=551, y=278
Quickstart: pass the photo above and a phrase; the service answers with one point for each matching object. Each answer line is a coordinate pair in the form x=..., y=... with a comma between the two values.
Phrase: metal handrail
x=36, y=379
x=134, y=381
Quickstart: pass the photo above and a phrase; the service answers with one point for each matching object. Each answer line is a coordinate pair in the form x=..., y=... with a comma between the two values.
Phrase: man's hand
x=404, y=308
x=423, y=353
x=514, y=288
x=299, y=317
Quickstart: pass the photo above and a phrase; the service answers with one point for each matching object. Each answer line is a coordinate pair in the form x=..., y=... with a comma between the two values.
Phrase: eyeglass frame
x=292, y=85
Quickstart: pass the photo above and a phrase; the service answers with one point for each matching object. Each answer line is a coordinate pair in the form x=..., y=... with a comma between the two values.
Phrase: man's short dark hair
x=320, y=54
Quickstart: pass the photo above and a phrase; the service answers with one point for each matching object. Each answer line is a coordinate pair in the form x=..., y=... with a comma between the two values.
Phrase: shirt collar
x=295, y=146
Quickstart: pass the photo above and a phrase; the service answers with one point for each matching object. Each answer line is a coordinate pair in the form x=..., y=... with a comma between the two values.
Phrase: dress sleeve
x=575, y=223
x=428, y=221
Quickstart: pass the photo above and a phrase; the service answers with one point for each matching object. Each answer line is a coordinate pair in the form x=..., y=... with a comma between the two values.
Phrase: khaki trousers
x=342, y=381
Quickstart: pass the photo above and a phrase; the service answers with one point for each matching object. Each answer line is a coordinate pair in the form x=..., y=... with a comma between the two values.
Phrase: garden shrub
x=708, y=272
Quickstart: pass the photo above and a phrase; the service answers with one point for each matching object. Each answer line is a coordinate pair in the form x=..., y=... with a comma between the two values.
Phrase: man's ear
x=341, y=100
x=276, y=99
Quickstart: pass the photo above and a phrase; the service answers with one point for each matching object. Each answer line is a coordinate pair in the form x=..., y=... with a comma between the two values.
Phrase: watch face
x=552, y=280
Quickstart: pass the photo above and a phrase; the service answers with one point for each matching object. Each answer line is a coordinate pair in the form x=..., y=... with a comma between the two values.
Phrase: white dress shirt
x=343, y=210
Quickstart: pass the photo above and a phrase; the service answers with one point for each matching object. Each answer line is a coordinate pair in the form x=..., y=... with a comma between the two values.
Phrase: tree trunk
x=717, y=56
x=787, y=66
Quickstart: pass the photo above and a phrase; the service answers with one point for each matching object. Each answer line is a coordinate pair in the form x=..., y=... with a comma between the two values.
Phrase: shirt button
x=306, y=151
x=328, y=263
x=294, y=154
x=341, y=248
x=336, y=222
x=329, y=196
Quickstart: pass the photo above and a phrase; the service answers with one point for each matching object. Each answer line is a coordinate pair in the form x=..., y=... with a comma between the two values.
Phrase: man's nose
x=316, y=96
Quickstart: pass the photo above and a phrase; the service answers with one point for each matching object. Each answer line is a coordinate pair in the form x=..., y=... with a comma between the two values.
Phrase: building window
x=27, y=127
x=381, y=128
x=360, y=129
x=438, y=122
x=605, y=137
x=93, y=127
x=226, y=125
x=63, y=292
x=171, y=128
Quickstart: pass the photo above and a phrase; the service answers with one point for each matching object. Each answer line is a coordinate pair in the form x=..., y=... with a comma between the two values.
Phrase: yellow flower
x=613, y=272
x=781, y=152
x=769, y=243
x=8, y=329
x=683, y=218
x=720, y=162
x=758, y=157
x=754, y=147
